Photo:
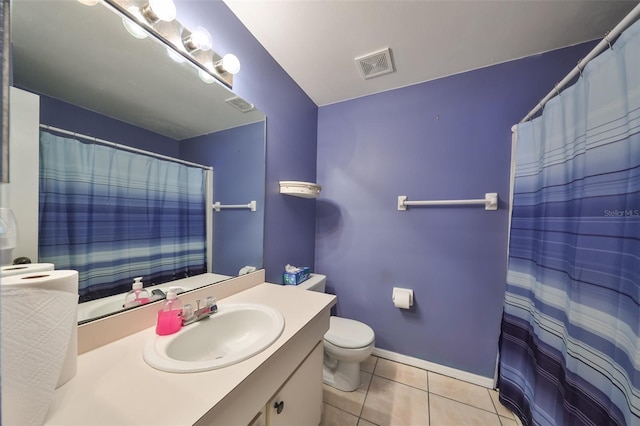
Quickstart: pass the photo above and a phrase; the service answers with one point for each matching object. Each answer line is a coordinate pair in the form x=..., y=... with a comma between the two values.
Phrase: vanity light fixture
x=89, y=2
x=157, y=18
x=198, y=39
x=229, y=63
x=159, y=10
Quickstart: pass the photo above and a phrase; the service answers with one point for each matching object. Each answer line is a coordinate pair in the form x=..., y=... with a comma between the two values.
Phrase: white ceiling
x=316, y=41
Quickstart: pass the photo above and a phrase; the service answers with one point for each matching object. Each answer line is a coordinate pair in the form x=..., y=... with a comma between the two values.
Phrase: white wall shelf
x=300, y=189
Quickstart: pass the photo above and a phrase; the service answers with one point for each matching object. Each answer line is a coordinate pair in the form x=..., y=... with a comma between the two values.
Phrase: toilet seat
x=349, y=334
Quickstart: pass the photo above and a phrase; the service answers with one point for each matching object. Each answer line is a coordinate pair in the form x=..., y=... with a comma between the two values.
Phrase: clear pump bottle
x=170, y=316
x=138, y=294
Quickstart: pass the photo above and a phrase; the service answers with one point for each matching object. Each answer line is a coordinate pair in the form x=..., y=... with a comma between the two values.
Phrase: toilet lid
x=349, y=334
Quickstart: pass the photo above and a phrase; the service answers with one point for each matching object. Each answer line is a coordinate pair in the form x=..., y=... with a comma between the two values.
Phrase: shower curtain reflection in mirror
x=113, y=215
x=570, y=351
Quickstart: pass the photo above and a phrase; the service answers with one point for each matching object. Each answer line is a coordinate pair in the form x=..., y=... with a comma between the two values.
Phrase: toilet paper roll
x=402, y=298
x=27, y=268
x=39, y=320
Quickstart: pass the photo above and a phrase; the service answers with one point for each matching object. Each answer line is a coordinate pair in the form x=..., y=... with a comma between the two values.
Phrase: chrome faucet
x=189, y=316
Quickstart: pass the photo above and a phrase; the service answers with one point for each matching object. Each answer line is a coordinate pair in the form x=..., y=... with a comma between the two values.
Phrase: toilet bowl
x=347, y=343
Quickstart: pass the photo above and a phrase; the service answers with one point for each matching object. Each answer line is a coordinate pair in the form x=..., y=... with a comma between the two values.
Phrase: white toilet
x=346, y=345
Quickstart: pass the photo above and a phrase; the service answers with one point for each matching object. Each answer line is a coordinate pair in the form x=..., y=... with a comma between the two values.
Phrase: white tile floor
x=397, y=394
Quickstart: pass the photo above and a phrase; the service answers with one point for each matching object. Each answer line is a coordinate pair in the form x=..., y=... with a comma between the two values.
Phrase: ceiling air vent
x=240, y=104
x=375, y=64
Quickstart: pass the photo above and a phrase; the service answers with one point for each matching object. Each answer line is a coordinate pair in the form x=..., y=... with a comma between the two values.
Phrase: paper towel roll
x=27, y=268
x=402, y=298
x=39, y=320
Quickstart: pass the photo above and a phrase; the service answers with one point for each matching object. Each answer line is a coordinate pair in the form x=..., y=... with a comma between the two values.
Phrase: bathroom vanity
x=280, y=385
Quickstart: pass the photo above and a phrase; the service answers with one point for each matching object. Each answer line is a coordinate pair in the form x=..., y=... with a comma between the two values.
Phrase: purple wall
x=291, y=133
x=237, y=157
x=444, y=139
x=448, y=138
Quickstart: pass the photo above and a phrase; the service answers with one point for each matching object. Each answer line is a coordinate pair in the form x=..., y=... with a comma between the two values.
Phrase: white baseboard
x=486, y=382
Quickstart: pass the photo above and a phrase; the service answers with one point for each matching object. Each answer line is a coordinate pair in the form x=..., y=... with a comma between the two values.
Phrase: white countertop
x=114, y=385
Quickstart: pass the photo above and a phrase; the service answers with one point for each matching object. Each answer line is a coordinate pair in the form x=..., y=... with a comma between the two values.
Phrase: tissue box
x=295, y=278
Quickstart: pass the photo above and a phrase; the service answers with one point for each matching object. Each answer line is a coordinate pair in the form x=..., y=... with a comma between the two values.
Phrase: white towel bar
x=251, y=206
x=490, y=202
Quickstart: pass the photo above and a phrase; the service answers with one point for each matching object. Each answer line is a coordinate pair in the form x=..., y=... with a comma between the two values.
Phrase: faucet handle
x=187, y=312
x=211, y=303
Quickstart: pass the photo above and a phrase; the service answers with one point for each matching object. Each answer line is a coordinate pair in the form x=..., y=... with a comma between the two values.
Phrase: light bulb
x=230, y=63
x=132, y=27
x=199, y=39
x=159, y=10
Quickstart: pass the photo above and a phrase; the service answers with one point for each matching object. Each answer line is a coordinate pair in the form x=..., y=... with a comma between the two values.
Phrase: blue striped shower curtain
x=570, y=352
x=113, y=215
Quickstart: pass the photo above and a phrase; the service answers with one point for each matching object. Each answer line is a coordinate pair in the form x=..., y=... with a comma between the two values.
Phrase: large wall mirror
x=90, y=76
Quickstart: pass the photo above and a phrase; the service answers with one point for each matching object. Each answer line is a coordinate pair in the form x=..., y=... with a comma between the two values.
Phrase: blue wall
x=237, y=179
x=291, y=133
x=445, y=139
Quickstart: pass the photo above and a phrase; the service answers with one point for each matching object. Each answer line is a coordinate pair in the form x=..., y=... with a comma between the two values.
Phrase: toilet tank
x=315, y=282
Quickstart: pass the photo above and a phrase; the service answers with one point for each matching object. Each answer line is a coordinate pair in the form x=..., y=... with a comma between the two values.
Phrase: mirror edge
x=5, y=77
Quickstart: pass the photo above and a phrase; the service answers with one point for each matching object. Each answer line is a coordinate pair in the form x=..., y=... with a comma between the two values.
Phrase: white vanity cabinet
x=260, y=419
x=299, y=400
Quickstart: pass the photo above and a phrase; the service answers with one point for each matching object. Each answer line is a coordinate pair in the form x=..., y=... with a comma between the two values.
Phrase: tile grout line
x=338, y=408
x=493, y=403
x=366, y=394
x=464, y=403
x=428, y=400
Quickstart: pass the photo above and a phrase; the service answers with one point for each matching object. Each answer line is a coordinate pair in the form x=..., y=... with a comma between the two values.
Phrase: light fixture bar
x=172, y=34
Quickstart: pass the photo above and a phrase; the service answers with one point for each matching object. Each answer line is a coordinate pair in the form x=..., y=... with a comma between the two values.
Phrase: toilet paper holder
x=402, y=297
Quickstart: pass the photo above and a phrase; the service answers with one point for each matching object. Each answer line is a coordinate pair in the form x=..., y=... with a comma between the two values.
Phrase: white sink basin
x=236, y=332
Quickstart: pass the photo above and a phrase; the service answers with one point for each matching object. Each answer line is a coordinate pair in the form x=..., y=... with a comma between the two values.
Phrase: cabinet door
x=299, y=401
x=259, y=420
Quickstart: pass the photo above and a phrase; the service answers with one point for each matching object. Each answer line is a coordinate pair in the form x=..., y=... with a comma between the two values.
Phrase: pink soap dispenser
x=170, y=316
x=137, y=296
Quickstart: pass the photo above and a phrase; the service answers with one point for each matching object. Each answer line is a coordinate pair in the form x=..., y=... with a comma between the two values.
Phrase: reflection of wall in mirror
x=63, y=115
x=237, y=157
